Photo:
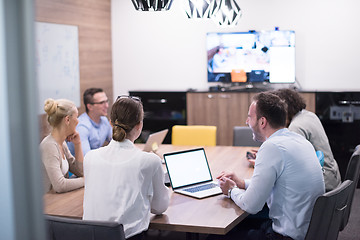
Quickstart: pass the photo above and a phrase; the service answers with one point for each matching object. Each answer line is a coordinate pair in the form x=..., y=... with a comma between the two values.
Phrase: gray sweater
x=308, y=125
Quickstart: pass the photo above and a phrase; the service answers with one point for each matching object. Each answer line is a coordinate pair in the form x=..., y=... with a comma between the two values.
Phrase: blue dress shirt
x=92, y=135
x=289, y=178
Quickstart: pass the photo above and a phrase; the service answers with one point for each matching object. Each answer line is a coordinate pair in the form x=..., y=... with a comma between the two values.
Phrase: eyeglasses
x=132, y=97
x=102, y=102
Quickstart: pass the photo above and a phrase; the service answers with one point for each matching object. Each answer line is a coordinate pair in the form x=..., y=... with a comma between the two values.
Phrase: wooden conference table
x=213, y=215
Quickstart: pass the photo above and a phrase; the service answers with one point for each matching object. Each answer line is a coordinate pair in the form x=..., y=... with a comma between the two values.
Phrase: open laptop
x=190, y=174
x=154, y=141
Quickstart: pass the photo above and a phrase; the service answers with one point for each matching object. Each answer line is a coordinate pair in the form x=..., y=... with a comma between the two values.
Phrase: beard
x=257, y=136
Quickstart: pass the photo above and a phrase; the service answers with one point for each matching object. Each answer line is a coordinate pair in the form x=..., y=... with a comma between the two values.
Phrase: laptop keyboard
x=200, y=188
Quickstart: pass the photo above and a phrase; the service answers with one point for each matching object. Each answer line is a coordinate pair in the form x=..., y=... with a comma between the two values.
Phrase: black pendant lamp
x=152, y=5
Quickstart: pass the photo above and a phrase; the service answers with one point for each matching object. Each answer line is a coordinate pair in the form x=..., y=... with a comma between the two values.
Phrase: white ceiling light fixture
x=227, y=14
x=152, y=5
x=199, y=8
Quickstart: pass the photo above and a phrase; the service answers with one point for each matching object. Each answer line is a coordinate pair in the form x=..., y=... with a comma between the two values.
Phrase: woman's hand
x=74, y=138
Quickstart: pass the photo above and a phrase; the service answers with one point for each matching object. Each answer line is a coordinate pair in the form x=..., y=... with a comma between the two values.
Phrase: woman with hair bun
x=123, y=183
x=57, y=160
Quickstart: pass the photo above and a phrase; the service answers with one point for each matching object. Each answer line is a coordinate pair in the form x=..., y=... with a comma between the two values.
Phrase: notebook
x=189, y=173
x=154, y=141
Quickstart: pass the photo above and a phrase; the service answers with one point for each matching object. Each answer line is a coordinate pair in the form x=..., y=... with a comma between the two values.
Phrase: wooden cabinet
x=225, y=110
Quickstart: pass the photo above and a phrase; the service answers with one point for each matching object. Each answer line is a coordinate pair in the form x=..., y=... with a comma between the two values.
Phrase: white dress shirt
x=289, y=178
x=124, y=184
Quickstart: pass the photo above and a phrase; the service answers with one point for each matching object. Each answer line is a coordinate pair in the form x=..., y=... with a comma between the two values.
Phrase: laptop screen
x=187, y=167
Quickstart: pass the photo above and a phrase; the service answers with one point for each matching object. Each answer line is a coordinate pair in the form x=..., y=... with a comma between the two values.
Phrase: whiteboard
x=57, y=62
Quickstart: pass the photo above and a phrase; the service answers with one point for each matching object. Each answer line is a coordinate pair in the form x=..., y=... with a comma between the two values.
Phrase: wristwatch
x=229, y=191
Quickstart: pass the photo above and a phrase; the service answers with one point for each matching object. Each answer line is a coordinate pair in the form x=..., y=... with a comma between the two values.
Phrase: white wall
x=166, y=51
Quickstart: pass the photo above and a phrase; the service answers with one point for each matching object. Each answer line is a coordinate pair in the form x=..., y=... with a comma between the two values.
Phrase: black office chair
x=328, y=213
x=60, y=228
x=352, y=173
x=243, y=137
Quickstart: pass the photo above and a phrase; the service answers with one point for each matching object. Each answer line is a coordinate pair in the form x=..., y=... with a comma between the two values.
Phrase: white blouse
x=64, y=166
x=124, y=184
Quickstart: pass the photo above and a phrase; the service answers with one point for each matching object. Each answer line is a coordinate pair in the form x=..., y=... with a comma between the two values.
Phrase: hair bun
x=50, y=106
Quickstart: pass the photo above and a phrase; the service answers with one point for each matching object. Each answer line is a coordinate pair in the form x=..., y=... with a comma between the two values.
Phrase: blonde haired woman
x=57, y=160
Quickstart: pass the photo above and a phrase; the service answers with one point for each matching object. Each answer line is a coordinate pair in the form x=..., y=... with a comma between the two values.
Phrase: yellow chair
x=197, y=135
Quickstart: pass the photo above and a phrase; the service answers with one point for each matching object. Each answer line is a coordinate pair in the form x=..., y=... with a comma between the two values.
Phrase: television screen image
x=264, y=56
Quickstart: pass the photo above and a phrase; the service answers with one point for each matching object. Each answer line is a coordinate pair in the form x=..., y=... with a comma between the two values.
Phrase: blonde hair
x=58, y=109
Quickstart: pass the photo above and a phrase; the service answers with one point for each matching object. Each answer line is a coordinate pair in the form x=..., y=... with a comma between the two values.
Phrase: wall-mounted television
x=254, y=56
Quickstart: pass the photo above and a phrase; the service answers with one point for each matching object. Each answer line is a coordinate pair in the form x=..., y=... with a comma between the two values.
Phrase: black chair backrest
x=60, y=228
x=328, y=213
x=243, y=137
x=352, y=173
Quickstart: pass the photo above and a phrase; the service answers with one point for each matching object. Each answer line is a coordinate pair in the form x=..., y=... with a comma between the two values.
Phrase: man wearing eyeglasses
x=94, y=128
